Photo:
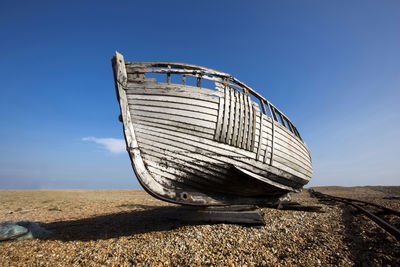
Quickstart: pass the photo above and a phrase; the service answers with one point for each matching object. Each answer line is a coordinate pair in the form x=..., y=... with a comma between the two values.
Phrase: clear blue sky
x=332, y=66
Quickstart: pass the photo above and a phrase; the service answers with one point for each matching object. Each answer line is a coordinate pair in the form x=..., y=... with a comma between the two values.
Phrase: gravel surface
x=129, y=227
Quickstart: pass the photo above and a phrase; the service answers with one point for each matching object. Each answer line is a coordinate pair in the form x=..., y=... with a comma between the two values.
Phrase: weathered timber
x=236, y=125
x=174, y=99
x=226, y=153
x=260, y=139
x=231, y=117
x=171, y=145
x=174, y=111
x=228, y=214
x=207, y=146
x=177, y=106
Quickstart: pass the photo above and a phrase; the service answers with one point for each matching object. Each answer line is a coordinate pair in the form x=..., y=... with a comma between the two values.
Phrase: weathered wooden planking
x=168, y=72
x=260, y=127
x=233, y=155
x=290, y=136
x=174, y=100
x=191, y=173
x=250, y=130
x=176, y=124
x=286, y=166
x=288, y=160
x=246, y=122
x=225, y=215
x=282, y=136
x=177, y=161
x=288, y=144
x=198, y=71
x=177, y=112
x=148, y=182
x=140, y=65
x=241, y=122
x=263, y=179
x=178, y=106
x=283, y=149
x=293, y=163
x=189, y=144
x=286, y=147
x=254, y=130
x=206, y=162
x=243, y=162
x=203, y=76
x=139, y=121
x=288, y=139
x=231, y=117
x=268, y=121
x=252, y=133
x=166, y=178
x=290, y=154
x=163, y=146
x=260, y=138
x=215, y=167
x=237, y=116
x=265, y=152
x=218, y=148
x=171, y=174
x=294, y=159
x=224, y=131
x=218, y=130
x=133, y=71
x=176, y=118
x=269, y=137
x=294, y=142
x=291, y=148
x=184, y=94
x=289, y=133
x=184, y=169
x=187, y=175
x=175, y=88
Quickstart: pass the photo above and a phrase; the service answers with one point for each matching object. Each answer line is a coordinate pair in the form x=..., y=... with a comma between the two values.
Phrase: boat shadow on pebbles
x=145, y=220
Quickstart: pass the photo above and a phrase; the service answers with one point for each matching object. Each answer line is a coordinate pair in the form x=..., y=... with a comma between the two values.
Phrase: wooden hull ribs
x=206, y=143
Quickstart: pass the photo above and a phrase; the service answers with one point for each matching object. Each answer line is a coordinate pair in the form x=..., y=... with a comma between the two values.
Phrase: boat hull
x=199, y=146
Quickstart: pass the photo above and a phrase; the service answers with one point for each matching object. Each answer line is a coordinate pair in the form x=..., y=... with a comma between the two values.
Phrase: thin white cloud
x=113, y=145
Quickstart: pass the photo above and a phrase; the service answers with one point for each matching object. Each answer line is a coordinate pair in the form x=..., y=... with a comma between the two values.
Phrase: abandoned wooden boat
x=201, y=144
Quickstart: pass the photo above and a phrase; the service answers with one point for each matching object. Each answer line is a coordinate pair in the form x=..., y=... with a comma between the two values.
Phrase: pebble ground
x=130, y=228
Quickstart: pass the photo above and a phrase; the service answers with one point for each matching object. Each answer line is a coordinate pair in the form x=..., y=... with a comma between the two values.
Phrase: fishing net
x=21, y=231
